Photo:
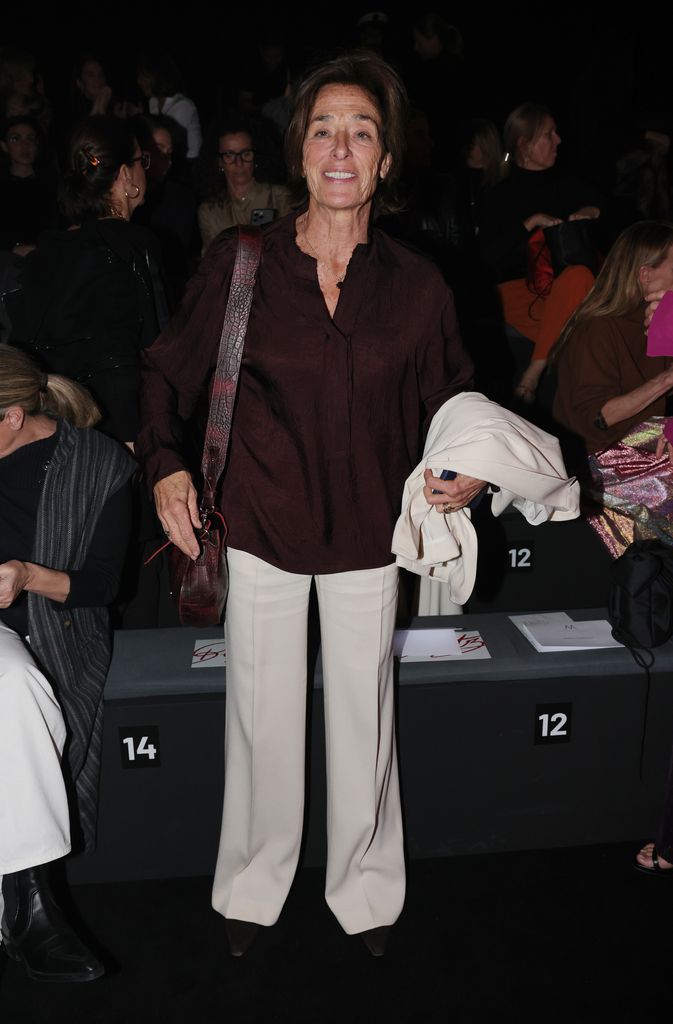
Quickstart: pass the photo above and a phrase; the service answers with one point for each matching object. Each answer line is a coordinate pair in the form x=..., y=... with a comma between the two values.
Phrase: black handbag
x=570, y=245
x=640, y=600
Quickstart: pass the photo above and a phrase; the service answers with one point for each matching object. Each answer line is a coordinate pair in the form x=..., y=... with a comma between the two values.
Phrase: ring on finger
x=446, y=508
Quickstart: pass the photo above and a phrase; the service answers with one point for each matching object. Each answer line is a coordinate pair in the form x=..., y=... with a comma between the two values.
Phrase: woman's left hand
x=585, y=213
x=13, y=578
x=454, y=494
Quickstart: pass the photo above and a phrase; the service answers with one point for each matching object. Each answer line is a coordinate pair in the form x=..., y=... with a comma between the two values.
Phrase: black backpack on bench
x=640, y=598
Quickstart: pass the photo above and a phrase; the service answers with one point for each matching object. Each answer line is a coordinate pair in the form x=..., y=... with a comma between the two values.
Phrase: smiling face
x=540, y=153
x=343, y=157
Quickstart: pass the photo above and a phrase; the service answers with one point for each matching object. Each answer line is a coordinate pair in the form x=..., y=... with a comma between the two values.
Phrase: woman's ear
x=385, y=166
x=124, y=175
x=14, y=417
x=644, y=277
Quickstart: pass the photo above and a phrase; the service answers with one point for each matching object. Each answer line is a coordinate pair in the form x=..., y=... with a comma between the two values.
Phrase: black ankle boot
x=36, y=933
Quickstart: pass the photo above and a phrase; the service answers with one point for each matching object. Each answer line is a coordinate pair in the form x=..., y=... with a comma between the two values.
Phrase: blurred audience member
x=534, y=195
x=27, y=188
x=21, y=88
x=643, y=172
x=236, y=197
x=93, y=95
x=170, y=201
x=159, y=79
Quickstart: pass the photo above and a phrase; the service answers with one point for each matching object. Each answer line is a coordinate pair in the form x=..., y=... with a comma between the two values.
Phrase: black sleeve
x=96, y=583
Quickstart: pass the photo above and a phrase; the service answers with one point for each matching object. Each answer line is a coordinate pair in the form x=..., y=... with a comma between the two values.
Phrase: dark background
x=593, y=67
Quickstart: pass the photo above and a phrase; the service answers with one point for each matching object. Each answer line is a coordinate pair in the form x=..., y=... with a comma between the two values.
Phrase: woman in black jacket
x=90, y=300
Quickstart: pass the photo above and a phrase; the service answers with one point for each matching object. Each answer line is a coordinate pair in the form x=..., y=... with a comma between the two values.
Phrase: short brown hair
x=377, y=78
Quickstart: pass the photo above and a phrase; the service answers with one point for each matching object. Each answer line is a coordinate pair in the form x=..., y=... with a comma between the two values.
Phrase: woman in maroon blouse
x=350, y=336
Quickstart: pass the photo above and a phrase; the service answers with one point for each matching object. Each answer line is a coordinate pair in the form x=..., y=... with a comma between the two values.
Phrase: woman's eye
x=363, y=135
x=320, y=133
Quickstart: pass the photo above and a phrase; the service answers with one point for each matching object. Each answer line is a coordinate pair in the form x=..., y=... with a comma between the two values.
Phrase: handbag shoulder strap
x=229, y=357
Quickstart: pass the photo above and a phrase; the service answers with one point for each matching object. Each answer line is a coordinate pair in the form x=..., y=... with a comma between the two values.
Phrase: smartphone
x=262, y=216
x=449, y=474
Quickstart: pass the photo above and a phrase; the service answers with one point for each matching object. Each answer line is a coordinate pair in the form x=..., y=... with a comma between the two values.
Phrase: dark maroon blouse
x=329, y=414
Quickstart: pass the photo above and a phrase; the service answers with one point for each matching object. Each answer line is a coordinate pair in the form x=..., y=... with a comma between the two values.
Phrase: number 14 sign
x=140, y=746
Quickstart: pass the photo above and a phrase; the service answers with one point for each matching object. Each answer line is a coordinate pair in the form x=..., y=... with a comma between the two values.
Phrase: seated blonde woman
x=65, y=510
x=614, y=396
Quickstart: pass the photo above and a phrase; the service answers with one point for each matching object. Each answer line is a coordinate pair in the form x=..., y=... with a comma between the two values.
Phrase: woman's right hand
x=541, y=220
x=175, y=497
x=652, y=299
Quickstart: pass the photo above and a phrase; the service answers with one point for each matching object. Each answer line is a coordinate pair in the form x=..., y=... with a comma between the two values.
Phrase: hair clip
x=91, y=160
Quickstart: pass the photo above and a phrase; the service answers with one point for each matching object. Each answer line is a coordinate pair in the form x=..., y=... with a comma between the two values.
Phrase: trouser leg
x=365, y=871
x=265, y=739
x=34, y=821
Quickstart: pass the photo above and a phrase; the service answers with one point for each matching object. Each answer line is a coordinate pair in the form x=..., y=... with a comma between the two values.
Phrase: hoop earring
x=135, y=196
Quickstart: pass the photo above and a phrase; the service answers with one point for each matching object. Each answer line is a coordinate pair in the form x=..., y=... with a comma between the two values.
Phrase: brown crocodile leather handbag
x=200, y=587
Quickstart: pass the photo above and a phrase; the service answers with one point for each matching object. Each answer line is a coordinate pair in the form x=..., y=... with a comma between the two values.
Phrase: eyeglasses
x=230, y=156
x=145, y=161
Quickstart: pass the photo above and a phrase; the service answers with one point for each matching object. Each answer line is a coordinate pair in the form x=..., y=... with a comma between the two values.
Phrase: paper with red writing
x=439, y=644
x=210, y=653
x=660, y=331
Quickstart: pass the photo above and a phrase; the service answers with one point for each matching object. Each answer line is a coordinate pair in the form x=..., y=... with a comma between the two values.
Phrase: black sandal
x=656, y=868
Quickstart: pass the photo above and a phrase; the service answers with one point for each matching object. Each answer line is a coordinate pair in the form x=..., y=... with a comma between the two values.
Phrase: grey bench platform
x=474, y=779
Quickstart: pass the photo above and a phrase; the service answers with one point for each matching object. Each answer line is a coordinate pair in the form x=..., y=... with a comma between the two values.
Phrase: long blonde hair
x=617, y=290
x=22, y=383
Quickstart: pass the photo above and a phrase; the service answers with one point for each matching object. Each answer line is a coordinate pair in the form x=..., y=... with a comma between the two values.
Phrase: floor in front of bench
x=560, y=935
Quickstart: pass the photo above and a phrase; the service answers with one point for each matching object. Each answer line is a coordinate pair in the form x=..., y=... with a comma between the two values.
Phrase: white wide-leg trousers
x=265, y=743
x=34, y=821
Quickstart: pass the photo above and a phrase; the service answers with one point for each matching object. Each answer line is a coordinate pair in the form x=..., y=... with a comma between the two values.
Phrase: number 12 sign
x=552, y=723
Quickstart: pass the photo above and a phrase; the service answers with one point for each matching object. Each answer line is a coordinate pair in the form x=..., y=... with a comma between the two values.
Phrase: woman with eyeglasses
x=91, y=299
x=236, y=197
